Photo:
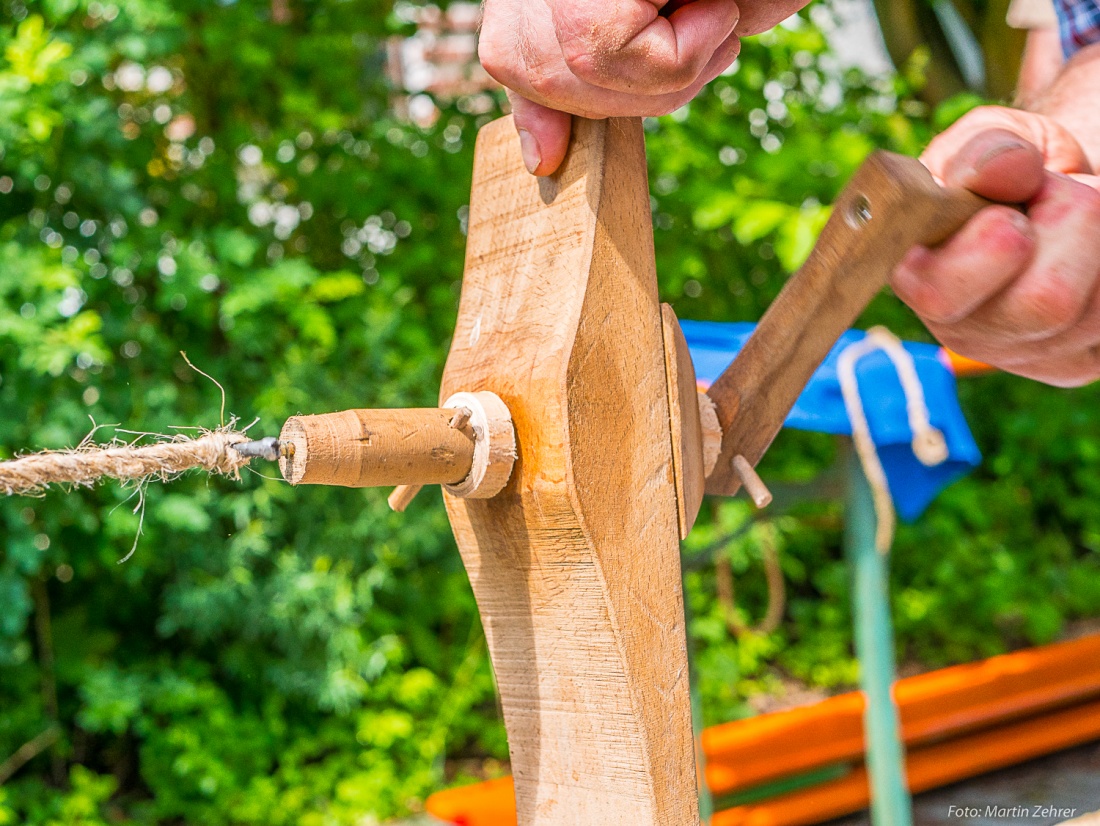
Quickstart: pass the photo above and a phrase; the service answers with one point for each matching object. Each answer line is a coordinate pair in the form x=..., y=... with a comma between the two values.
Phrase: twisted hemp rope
x=87, y=464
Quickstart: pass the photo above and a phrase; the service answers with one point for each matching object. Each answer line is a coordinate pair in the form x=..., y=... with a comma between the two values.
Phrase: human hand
x=1018, y=291
x=613, y=58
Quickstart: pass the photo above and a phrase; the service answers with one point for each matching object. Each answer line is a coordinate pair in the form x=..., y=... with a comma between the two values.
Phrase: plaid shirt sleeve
x=1078, y=23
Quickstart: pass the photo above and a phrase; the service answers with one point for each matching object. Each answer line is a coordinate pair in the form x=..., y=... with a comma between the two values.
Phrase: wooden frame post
x=575, y=564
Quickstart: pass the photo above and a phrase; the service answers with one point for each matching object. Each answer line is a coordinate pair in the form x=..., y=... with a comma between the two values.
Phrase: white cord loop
x=929, y=444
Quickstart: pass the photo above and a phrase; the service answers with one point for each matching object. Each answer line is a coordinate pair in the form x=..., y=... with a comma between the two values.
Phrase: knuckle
x=986, y=117
x=935, y=308
x=1088, y=204
x=1092, y=369
x=986, y=112
x=1082, y=371
x=962, y=344
x=585, y=64
x=545, y=83
x=1049, y=307
x=673, y=74
x=1071, y=382
x=631, y=68
x=1003, y=229
x=932, y=307
x=931, y=304
x=665, y=104
x=495, y=60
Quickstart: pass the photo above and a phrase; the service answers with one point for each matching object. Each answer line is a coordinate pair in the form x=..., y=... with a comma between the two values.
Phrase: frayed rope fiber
x=87, y=464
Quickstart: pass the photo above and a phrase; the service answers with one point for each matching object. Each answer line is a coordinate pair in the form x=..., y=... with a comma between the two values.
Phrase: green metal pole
x=891, y=804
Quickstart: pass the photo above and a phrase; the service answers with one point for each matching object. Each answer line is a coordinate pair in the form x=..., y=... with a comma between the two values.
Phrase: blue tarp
x=820, y=408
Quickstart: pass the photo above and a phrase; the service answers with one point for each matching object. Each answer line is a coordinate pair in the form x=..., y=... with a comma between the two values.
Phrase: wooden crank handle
x=891, y=203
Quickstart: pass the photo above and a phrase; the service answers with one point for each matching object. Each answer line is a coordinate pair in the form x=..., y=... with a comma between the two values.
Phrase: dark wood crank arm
x=891, y=203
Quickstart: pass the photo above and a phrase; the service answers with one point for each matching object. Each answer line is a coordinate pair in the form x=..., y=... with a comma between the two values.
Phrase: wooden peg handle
x=758, y=491
x=401, y=497
x=891, y=204
x=367, y=448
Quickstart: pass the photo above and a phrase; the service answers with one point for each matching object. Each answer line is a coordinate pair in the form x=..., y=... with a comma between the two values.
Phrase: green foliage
x=193, y=176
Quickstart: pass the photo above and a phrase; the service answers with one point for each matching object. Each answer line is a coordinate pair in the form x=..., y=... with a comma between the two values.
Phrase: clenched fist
x=1018, y=290
x=609, y=58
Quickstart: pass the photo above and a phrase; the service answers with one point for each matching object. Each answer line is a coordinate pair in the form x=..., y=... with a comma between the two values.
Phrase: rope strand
x=84, y=466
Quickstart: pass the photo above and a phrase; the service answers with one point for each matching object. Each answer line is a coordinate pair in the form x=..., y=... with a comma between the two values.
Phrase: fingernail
x=995, y=151
x=529, y=147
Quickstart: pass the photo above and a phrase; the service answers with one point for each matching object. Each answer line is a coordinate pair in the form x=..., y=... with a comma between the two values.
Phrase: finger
x=627, y=46
x=542, y=77
x=1075, y=371
x=1059, y=149
x=1053, y=294
x=1059, y=357
x=759, y=17
x=1062, y=360
x=1033, y=361
x=543, y=134
x=948, y=283
x=558, y=89
x=999, y=165
x=721, y=60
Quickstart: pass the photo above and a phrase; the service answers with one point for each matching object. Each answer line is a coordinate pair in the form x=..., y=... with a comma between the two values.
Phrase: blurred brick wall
x=439, y=62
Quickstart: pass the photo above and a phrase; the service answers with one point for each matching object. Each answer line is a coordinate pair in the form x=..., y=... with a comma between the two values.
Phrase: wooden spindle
x=367, y=448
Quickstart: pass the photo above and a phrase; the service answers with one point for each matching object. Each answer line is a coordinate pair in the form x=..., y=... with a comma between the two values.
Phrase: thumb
x=999, y=165
x=543, y=134
x=1000, y=152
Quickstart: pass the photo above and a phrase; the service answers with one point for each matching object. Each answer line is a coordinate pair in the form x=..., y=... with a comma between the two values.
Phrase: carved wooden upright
x=575, y=564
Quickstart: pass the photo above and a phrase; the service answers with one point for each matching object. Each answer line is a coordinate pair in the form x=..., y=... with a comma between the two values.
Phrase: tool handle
x=890, y=204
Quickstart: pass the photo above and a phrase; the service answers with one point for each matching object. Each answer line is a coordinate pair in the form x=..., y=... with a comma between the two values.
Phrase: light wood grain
x=364, y=448
x=712, y=432
x=575, y=564
x=401, y=497
x=754, y=485
x=687, y=429
x=890, y=204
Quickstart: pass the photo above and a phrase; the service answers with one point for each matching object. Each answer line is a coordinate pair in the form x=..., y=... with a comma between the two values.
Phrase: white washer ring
x=494, y=444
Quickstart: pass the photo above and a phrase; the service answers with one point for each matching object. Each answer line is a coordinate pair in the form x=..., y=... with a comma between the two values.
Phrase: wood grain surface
x=687, y=428
x=364, y=448
x=575, y=564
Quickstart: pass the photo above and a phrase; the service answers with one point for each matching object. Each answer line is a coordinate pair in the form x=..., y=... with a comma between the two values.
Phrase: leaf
x=183, y=513
x=798, y=234
x=718, y=209
x=336, y=287
x=236, y=247
x=759, y=218
x=954, y=108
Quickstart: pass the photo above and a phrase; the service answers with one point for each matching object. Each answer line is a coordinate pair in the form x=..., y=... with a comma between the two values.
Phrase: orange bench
x=957, y=722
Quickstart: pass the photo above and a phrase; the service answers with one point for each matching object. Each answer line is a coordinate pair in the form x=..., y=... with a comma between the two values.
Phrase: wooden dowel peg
x=461, y=418
x=401, y=496
x=754, y=485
